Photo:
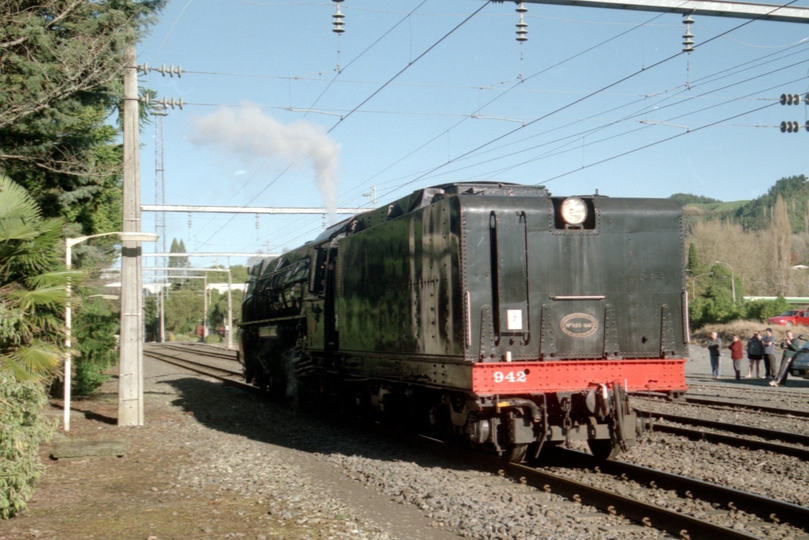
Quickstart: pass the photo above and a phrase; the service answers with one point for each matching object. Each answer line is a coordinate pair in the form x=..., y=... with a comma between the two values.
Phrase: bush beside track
x=22, y=427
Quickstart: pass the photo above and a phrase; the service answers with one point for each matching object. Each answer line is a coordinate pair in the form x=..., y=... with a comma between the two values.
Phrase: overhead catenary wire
x=559, y=151
x=369, y=98
x=632, y=117
x=716, y=75
x=588, y=96
x=313, y=104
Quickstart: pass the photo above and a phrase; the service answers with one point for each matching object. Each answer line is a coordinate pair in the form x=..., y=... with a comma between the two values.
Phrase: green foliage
x=239, y=273
x=213, y=338
x=31, y=294
x=693, y=265
x=756, y=214
x=764, y=309
x=61, y=75
x=95, y=327
x=720, y=310
x=178, y=262
x=184, y=307
x=22, y=427
x=218, y=311
x=687, y=198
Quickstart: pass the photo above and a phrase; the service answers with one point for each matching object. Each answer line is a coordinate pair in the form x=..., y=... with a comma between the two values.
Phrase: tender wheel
x=516, y=453
x=603, y=448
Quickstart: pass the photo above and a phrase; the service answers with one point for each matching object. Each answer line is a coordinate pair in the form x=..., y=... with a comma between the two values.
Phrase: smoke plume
x=249, y=132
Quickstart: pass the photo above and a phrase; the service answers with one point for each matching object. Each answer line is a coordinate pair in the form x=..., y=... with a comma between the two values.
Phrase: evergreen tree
x=61, y=71
x=693, y=264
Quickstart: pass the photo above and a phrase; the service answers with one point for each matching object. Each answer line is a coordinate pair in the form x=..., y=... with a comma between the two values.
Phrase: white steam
x=249, y=132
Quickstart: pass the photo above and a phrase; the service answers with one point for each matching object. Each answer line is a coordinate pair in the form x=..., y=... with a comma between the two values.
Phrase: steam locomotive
x=494, y=313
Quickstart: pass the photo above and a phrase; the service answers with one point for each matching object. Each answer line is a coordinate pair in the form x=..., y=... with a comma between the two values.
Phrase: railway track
x=711, y=402
x=771, y=512
x=723, y=500
x=740, y=442
x=184, y=357
x=201, y=349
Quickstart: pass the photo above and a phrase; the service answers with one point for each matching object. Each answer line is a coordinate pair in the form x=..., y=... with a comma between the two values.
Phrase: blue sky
x=596, y=99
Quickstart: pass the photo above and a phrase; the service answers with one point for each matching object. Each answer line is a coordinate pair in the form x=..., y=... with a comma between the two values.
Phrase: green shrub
x=22, y=427
x=706, y=310
x=95, y=329
x=764, y=309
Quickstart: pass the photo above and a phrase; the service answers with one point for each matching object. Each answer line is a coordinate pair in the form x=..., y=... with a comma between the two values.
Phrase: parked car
x=793, y=317
x=800, y=365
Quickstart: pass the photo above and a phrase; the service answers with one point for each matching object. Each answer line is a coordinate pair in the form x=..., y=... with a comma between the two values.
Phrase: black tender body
x=396, y=308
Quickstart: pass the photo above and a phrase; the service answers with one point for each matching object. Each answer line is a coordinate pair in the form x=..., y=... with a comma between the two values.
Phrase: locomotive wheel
x=516, y=453
x=603, y=448
x=439, y=422
x=260, y=378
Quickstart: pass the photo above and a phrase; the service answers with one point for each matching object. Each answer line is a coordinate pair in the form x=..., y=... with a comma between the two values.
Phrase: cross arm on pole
x=713, y=8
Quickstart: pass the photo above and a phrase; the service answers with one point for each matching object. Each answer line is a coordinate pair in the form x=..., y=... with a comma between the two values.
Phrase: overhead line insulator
x=522, y=26
x=792, y=127
x=688, y=37
x=791, y=99
x=165, y=103
x=171, y=71
x=338, y=17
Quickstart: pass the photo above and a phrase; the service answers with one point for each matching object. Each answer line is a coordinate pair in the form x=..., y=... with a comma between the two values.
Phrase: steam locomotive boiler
x=496, y=313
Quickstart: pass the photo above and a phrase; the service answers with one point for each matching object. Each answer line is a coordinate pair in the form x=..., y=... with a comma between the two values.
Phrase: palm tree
x=31, y=293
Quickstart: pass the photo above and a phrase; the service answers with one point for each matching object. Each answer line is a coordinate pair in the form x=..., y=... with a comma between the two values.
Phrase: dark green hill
x=755, y=214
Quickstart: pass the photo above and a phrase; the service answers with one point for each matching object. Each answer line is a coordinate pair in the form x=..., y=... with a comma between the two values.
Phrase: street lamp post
x=69, y=243
x=732, y=279
x=694, y=282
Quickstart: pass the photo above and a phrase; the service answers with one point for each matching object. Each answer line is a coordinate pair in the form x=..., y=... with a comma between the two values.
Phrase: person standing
x=768, y=342
x=791, y=345
x=755, y=352
x=715, y=350
x=736, y=355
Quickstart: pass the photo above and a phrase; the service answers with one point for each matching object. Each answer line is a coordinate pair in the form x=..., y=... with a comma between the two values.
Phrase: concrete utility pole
x=130, y=374
x=229, y=329
x=205, y=307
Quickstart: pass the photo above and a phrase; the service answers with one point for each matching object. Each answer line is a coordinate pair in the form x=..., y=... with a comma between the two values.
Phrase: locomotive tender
x=495, y=313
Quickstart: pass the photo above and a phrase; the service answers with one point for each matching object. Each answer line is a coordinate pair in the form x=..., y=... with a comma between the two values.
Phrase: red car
x=793, y=317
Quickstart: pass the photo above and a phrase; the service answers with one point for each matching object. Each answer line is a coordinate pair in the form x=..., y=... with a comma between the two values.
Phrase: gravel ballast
x=215, y=462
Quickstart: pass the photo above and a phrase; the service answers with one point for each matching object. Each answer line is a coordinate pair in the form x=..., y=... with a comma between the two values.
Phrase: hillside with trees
x=761, y=243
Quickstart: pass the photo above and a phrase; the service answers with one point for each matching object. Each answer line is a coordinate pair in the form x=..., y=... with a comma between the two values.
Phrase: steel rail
x=739, y=429
x=676, y=523
x=773, y=510
x=204, y=350
x=730, y=440
x=611, y=503
x=752, y=406
x=649, y=515
x=720, y=403
x=192, y=365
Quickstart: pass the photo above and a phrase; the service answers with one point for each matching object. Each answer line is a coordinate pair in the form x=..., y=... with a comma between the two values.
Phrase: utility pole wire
x=419, y=57
x=313, y=104
x=557, y=151
x=586, y=97
x=626, y=118
x=656, y=143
